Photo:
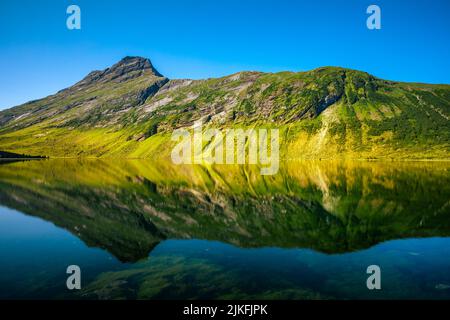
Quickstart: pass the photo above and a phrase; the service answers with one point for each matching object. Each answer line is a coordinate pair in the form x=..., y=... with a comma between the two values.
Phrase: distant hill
x=130, y=110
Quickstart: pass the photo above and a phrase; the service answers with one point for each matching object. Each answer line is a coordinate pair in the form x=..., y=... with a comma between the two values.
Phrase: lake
x=145, y=230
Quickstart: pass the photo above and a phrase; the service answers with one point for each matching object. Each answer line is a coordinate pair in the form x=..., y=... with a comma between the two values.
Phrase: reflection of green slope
x=128, y=237
x=86, y=212
x=127, y=207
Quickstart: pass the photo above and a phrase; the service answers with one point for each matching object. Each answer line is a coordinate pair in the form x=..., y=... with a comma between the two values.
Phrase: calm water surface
x=142, y=230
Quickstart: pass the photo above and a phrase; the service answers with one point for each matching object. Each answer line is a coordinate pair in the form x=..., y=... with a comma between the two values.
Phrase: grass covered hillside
x=130, y=110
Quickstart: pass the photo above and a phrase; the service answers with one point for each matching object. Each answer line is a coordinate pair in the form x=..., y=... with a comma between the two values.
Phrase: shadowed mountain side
x=128, y=207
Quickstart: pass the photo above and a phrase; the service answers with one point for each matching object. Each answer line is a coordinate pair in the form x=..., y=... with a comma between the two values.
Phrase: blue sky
x=199, y=39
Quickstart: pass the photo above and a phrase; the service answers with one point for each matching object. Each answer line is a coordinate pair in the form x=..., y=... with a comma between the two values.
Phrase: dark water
x=155, y=231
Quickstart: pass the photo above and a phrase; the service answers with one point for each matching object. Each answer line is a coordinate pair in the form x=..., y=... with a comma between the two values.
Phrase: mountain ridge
x=130, y=109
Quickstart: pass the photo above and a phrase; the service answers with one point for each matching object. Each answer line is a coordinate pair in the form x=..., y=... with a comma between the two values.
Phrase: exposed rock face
x=129, y=64
x=175, y=84
x=126, y=69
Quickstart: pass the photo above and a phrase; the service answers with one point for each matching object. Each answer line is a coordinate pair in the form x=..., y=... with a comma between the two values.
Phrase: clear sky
x=198, y=39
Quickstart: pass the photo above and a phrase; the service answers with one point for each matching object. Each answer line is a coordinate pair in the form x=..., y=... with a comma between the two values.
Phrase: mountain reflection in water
x=128, y=207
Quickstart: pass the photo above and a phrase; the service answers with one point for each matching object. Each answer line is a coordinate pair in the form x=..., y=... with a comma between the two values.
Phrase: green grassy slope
x=130, y=110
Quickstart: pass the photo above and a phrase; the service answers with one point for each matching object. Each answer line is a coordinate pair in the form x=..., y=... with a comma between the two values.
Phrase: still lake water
x=143, y=230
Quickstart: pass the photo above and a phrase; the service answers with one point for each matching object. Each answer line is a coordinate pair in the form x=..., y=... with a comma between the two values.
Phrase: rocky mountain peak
x=129, y=64
x=126, y=69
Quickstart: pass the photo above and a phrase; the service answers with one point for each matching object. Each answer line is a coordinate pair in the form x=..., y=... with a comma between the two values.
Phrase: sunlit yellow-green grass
x=98, y=142
x=295, y=143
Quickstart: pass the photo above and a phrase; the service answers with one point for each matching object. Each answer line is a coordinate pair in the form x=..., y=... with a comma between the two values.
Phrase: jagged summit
x=126, y=69
x=129, y=63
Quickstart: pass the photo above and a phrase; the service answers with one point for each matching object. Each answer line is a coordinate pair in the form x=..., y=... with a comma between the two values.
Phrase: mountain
x=130, y=110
